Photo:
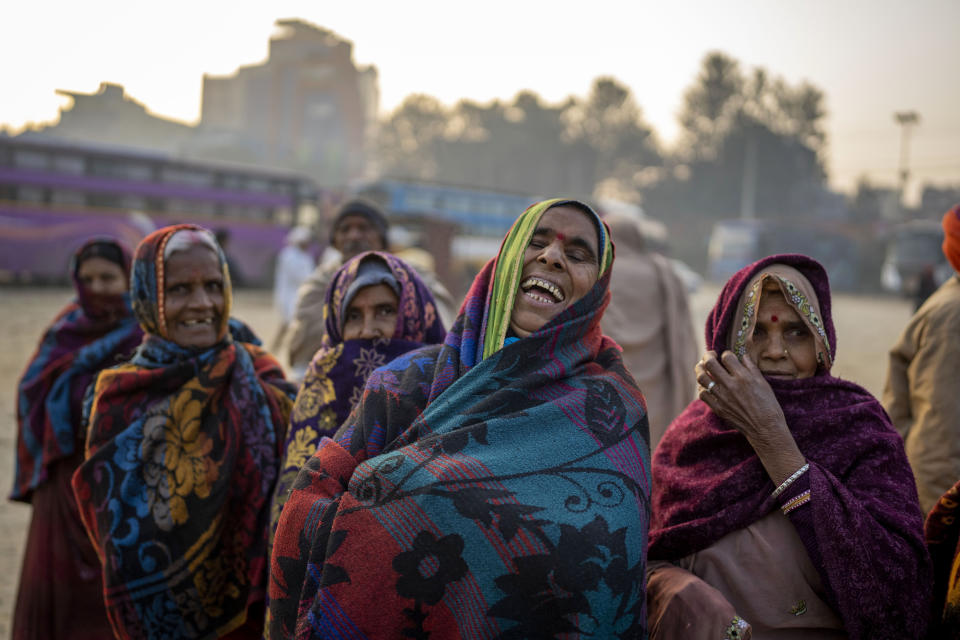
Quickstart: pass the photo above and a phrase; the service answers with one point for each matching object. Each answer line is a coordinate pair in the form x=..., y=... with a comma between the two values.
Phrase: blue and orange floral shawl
x=89, y=334
x=336, y=375
x=468, y=495
x=182, y=456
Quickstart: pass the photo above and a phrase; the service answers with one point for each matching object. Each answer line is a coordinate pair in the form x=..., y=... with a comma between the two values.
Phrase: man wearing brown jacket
x=922, y=393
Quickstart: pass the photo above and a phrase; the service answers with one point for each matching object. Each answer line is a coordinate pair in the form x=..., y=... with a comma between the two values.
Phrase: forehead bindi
x=775, y=309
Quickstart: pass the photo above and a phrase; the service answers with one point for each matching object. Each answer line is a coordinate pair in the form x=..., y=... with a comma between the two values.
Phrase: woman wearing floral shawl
x=182, y=453
x=335, y=377
x=494, y=486
x=783, y=503
x=60, y=592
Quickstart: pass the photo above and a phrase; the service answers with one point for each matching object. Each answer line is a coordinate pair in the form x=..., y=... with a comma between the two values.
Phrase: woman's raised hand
x=738, y=393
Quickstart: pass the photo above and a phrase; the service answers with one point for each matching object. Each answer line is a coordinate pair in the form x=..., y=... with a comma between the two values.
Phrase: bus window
x=72, y=165
x=30, y=159
x=191, y=177
x=257, y=184
x=116, y=201
x=29, y=194
x=67, y=196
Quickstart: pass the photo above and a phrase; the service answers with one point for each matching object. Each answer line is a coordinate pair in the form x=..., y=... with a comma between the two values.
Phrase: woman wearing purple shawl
x=376, y=309
x=783, y=503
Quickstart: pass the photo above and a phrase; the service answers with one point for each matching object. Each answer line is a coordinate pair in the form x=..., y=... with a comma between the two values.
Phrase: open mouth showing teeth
x=542, y=290
x=198, y=323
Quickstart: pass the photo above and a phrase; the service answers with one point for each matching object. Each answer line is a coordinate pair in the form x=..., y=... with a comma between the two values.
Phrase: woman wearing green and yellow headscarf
x=494, y=486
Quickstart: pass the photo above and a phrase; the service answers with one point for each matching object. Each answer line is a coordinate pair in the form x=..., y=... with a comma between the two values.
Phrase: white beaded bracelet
x=789, y=481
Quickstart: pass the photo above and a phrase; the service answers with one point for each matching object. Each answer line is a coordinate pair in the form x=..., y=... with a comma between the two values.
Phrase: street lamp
x=906, y=120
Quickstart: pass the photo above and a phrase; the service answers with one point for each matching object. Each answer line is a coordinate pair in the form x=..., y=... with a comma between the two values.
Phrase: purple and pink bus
x=56, y=195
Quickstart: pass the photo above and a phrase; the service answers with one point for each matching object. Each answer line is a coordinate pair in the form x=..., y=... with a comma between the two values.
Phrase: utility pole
x=906, y=120
x=748, y=186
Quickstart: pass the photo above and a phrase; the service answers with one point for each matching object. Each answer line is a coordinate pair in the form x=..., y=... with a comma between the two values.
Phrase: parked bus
x=55, y=195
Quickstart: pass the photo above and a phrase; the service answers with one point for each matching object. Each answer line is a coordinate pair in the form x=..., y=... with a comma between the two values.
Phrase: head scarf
x=799, y=293
x=865, y=526
x=371, y=272
x=336, y=375
x=182, y=456
x=148, y=286
x=951, y=236
x=90, y=333
x=517, y=476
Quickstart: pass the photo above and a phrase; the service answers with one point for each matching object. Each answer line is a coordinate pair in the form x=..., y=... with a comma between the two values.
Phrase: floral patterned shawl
x=497, y=496
x=862, y=528
x=182, y=457
x=90, y=333
x=335, y=377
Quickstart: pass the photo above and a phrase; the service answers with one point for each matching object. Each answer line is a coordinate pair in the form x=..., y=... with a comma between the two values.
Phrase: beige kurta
x=922, y=393
x=649, y=317
x=761, y=573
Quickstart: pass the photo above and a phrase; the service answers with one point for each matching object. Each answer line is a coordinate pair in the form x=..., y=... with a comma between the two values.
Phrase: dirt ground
x=866, y=328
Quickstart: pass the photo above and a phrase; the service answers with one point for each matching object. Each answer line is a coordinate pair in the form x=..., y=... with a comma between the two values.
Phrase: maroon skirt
x=61, y=591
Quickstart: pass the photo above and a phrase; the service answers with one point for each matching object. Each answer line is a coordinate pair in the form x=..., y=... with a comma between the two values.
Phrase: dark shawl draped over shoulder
x=478, y=490
x=334, y=380
x=182, y=457
x=862, y=529
x=90, y=333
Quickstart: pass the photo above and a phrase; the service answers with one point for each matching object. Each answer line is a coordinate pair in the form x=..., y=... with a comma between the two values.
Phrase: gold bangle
x=789, y=481
x=799, y=501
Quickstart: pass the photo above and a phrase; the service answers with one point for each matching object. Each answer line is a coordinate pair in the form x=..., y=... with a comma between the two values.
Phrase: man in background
x=649, y=317
x=921, y=393
x=359, y=226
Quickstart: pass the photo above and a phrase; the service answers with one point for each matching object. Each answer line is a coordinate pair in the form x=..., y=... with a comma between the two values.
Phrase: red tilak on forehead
x=773, y=318
x=562, y=237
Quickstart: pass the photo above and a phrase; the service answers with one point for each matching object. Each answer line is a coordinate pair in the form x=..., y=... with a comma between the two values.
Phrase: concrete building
x=307, y=107
x=111, y=117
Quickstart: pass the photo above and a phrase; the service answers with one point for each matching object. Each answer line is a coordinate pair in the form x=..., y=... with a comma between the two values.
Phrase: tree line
x=743, y=134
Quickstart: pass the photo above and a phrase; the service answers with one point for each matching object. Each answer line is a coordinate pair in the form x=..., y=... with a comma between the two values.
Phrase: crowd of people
x=553, y=460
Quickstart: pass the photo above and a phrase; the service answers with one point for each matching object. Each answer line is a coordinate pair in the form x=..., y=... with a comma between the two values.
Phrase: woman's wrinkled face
x=193, y=297
x=782, y=345
x=102, y=277
x=371, y=314
x=560, y=265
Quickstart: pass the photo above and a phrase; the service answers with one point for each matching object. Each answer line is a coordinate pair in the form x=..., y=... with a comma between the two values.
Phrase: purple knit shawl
x=865, y=532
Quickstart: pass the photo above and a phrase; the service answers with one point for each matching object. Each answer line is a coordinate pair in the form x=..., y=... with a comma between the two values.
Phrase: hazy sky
x=870, y=58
